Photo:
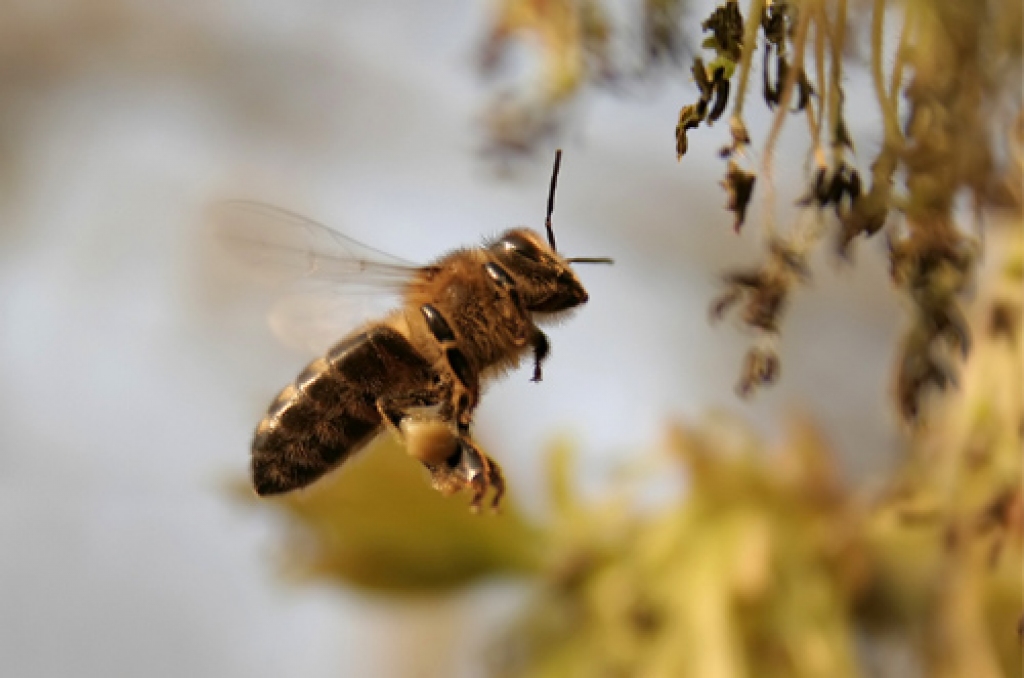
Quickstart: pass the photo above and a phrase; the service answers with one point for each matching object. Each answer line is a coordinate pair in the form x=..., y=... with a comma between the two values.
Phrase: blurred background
x=134, y=369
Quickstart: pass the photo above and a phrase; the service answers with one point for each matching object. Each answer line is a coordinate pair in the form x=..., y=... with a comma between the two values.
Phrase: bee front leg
x=541, y=349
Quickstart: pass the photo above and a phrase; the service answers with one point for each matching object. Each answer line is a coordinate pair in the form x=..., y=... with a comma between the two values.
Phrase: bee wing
x=327, y=282
x=312, y=322
x=291, y=247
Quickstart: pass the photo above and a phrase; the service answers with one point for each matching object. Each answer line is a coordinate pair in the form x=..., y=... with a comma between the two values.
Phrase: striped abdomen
x=330, y=411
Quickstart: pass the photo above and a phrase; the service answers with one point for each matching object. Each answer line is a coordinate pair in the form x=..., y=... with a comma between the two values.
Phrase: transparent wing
x=288, y=246
x=312, y=322
x=326, y=283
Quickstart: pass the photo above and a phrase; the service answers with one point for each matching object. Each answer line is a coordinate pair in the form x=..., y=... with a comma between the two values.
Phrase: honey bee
x=470, y=315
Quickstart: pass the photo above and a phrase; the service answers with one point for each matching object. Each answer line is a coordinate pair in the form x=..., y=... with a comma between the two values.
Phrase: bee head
x=543, y=280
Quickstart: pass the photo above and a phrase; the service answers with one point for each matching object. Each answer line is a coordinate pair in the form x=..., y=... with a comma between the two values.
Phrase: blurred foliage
x=750, y=574
x=378, y=524
x=769, y=567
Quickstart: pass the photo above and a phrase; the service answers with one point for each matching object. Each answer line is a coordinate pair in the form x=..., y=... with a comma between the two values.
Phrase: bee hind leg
x=441, y=442
x=479, y=473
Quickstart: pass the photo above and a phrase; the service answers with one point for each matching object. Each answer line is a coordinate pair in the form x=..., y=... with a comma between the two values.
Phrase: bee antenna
x=551, y=199
x=590, y=260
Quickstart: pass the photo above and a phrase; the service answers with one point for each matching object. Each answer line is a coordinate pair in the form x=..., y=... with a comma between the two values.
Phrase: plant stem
x=835, y=90
x=800, y=41
x=755, y=10
x=890, y=123
x=820, y=35
x=896, y=81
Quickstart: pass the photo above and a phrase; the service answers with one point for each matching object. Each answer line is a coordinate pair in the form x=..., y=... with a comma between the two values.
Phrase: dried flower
x=933, y=265
x=761, y=367
x=739, y=187
x=726, y=25
x=689, y=118
x=721, y=89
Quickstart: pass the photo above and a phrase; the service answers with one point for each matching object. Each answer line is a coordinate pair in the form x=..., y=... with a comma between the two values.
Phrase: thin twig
x=750, y=29
x=896, y=81
x=800, y=41
x=890, y=123
x=820, y=37
x=835, y=89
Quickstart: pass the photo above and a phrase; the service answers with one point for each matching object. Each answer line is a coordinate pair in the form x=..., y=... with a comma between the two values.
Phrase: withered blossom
x=761, y=367
x=713, y=91
x=740, y=135
x=764, y=291
x=869, y=213
x=689, y=118
x=919, y=370
x=726, y=26
x=777, y=24
x=832, y=186
x=777, y=21
x=841, y=133
x=721, y=100
x=772, y=91
x=933, y=266
x=739, y=188
x=704, y=84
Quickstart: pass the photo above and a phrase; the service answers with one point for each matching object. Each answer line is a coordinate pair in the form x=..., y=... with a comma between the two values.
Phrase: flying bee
x=469, y=315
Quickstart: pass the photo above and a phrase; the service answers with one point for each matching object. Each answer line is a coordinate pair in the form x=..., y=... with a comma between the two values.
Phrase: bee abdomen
x=330, y=411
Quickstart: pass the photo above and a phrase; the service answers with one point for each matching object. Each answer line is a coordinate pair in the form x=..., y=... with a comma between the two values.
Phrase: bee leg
x=497, y=481
x=481, y=473
x=394, y=409
x=541, y=348
x=476, y=470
